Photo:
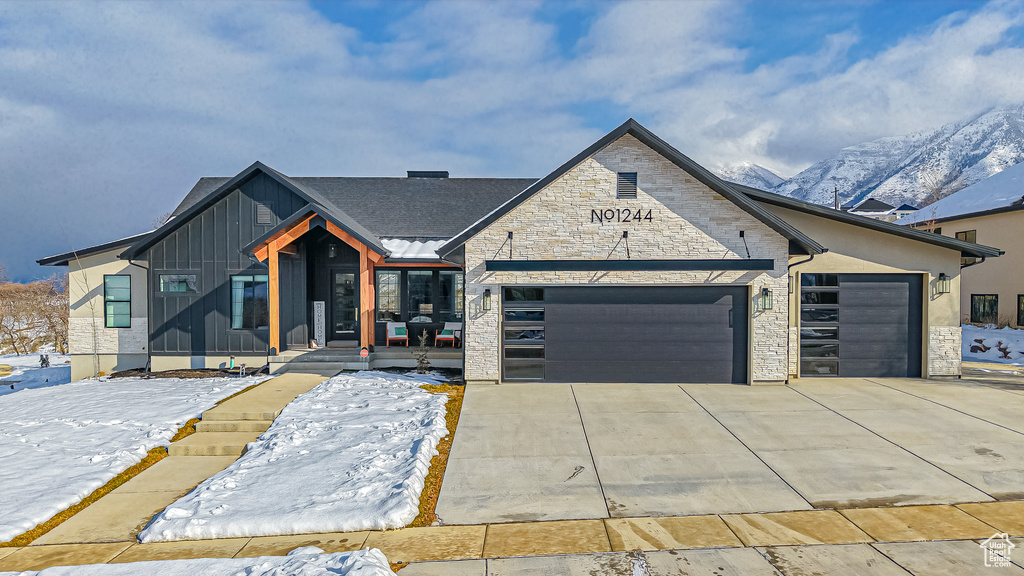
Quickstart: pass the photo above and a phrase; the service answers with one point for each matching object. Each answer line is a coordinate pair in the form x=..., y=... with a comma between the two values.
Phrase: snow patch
x=27, y=374
x=991, y=344
x=351, y=454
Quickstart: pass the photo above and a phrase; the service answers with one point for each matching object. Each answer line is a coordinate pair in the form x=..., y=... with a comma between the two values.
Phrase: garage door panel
x=691, y=371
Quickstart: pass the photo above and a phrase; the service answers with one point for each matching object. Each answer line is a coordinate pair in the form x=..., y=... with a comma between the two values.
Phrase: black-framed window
x=984, y=308
x=968, y=236
x=250, y=302
x=180, y=283
x=389, y=295
x=421, y=295
x=451, y=297
x=1020, y=310
x=117, y=301
x=522, y=333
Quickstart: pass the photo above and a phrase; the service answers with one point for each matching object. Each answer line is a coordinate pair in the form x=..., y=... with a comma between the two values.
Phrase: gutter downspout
x=975, y=263
x=789, y=350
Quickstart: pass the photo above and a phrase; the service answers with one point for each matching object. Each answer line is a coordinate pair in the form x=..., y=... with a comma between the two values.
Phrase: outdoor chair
x=397, y=331
x=451, y=332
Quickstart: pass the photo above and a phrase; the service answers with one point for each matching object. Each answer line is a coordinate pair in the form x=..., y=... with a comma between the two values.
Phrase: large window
x=1020, y=310
x=178, y=283
x=389, y=295
x=451, y=296
x=117, y=301
x=984, y=308
x=967, y=236
x=250, y=302
x=421, y=296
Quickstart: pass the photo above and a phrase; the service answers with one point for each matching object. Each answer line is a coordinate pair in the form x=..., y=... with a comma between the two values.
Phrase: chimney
x=426, y=174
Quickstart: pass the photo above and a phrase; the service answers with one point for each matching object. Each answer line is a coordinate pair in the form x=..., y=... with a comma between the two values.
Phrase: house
x=990, y=212
x=629, y=263
x=873, y=208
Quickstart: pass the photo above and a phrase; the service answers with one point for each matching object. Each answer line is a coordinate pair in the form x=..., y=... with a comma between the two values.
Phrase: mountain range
x=915, y=168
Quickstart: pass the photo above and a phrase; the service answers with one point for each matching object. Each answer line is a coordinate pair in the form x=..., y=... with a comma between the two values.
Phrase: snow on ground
x=1011, y=341
x=59, y=444
x=351, y=454
x=300, y=562
x=30, y=375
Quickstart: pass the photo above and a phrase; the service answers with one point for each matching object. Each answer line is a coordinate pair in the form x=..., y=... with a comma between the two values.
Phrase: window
x=938, y=231
x=250, y=302
x=968, y=236
x=626, y=187
x=984, y=308
x=451, y=296
x=178, y=283
x=117, y=301
x=421, y=296
x=389, y=295
x=264, y=213
x=523, y=333
x=1020, y=310
x=524, y=294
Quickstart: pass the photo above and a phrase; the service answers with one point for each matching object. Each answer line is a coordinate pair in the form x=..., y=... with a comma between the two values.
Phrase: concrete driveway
x=560, y=451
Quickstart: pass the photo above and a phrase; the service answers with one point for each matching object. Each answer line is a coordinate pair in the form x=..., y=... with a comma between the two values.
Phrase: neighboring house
x=990, y=212
x=872, y=208
x=629, y=263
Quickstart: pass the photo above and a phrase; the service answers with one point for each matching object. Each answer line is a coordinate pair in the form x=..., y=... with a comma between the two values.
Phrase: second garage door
x=628, y=334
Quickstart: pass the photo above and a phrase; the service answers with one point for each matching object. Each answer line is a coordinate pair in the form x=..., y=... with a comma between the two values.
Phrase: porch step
x=213, y=444
x=233, y=426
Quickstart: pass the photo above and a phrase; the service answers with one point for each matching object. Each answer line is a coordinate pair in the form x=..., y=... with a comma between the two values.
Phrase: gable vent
x=264, y=213
x=626, y=185
x=426, y=173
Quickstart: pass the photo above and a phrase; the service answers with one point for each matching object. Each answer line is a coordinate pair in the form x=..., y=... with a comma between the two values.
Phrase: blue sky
x=110, y=111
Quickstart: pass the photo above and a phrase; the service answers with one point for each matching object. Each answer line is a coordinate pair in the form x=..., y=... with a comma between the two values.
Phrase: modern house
x=991, y=212
x=629, y=263
x=874, y=208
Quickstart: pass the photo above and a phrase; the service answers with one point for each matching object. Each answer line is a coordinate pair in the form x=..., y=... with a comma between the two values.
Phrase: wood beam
x=366, y=318
x=351, y=241
x=290, y=250
x=274, y=304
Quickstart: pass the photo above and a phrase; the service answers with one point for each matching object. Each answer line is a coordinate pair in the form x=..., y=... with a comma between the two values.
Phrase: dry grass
x=432, y=483
x=398, y=566
x=5, y=370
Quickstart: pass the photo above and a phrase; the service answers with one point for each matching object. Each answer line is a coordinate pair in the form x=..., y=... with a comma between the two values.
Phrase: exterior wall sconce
x=766, y=298
x=942, y=284
x=332, y=250
x=486, y=304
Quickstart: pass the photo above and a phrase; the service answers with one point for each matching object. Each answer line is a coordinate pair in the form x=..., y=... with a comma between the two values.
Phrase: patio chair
x=451, y=332
x=397, y=331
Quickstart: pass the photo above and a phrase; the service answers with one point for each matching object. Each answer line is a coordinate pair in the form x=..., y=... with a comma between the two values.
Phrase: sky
x=111, y=111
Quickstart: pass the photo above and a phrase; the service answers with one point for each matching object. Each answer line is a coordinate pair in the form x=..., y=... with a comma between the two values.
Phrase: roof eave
x=64, y=259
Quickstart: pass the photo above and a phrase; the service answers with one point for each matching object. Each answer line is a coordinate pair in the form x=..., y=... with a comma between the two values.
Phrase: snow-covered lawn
x=351, y=454
x=30, y=375
x=60, y=443
x=300, y=562
x=1000, y=345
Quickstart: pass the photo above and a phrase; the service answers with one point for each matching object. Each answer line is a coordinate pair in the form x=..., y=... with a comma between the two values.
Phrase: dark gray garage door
x=629, y=334
x=861, y=325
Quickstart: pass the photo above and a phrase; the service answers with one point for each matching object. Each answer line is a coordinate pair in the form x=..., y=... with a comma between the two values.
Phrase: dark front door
x=344, y=305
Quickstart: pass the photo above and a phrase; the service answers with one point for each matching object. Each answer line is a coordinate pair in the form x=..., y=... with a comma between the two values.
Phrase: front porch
x=324, y=360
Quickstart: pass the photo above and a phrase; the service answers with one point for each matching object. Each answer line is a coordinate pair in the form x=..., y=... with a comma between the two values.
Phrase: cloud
x=109, y=112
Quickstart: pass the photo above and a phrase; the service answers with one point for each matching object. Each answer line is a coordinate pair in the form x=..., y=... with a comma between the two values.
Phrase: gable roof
x=906, y=207
x=311, y=196
x=63, y=259
x=966, y=248
x=633, y=128
x=872, y=205
x=339, y=219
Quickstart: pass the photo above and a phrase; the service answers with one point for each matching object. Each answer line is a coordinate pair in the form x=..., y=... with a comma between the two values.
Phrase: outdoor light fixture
x=766, y=298
x=942, y=284
x=486, y=305
x=332, y=250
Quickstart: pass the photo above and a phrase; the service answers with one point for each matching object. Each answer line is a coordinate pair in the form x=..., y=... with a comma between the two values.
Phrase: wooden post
x=274, y=304
x=366, y=317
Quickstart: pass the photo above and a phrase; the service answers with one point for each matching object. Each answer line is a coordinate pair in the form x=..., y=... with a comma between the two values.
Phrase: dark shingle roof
x=872, y=205
x=400, y=207
x=907, y=207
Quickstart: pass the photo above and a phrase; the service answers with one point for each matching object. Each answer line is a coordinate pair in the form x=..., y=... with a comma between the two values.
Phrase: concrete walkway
x=528, y=452
x=221, y=437
x=724, y=537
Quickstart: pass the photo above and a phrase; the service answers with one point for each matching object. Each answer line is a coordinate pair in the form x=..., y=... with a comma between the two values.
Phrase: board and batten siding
x=209, y=246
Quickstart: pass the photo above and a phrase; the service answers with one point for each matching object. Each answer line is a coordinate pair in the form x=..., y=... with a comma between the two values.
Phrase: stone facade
x=688, y=221
x=89, y=336
x=944, y=351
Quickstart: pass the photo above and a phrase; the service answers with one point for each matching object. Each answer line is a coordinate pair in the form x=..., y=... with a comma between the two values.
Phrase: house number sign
x=607, y=215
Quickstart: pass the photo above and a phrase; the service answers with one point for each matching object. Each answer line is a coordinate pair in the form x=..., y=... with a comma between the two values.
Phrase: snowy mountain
x=749, y=174
x=907, y=169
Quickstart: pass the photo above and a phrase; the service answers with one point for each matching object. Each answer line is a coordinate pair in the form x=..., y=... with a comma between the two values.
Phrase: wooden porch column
x=368, y=319
x=274, y=297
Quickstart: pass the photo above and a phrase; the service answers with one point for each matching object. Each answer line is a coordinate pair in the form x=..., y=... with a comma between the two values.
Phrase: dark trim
x=645, y=136
x=106, y=317
x=965, y=248
x=339, y=218
x=978, y=214
x=426, y=261
x=63, y=259
x=628, y=265
x=371, y=242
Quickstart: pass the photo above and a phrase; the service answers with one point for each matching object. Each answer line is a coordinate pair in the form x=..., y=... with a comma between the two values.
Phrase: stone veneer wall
x=944, y=350
x=82, y=340
x=689, y=221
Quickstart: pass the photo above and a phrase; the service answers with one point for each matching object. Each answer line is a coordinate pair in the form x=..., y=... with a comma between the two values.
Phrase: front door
x=345, y=306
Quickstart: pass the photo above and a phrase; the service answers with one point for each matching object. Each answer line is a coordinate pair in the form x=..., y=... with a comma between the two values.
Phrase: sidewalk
x=966, y=522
